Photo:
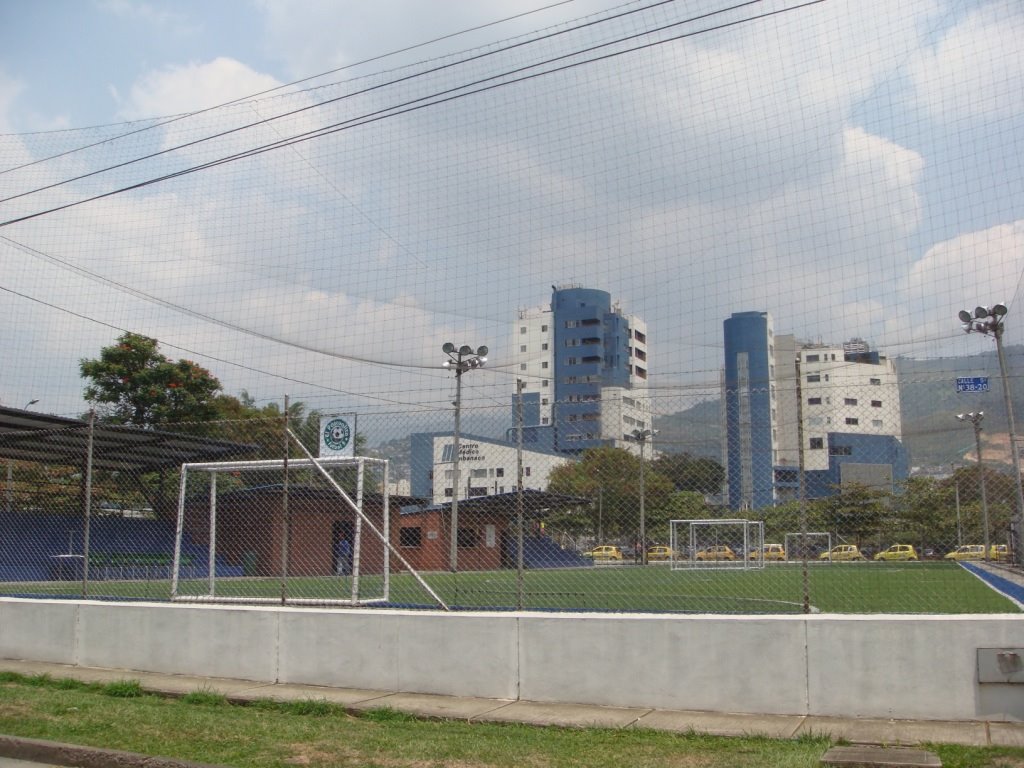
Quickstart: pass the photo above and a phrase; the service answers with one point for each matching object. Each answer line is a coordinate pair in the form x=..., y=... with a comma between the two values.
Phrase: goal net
x=810, y=546
x=310, y=532
x=717, y=543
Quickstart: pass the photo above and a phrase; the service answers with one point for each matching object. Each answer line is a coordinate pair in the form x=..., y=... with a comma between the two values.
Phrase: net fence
x=718, y=255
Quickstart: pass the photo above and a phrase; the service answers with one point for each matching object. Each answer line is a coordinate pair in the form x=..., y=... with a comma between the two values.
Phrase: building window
x=522, y=366
x=641, y=355
x=522, y=329
x=641, y=373
x=544, y=364
x=526, y=471
x=467, y=538
x=478, y=473
x=499, y=472
x=543, y=329
x=544, y=383
x=572, y=361
x=478, y=490
x=544, y=346
x=817, y=443
x=814, y=401
x=642, y=338
x=544, y=401
x=849, y=401
x=544, y=420
x=840, y=450
x=812, y=358
x=570, y=323
x=448, y=492
x=813, y=377
x=876, y=382
x=876, y=403
x=852, y=420
x=410, y=537
x=522, y=348
x=876, y=423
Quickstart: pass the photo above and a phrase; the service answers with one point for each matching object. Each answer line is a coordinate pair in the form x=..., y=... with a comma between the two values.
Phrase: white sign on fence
x=338, y=435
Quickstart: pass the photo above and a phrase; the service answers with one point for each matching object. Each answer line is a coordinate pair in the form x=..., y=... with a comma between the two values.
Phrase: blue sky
x=855, y=167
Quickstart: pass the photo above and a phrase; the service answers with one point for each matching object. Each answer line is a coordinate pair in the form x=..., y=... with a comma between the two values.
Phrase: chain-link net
x=851, y=532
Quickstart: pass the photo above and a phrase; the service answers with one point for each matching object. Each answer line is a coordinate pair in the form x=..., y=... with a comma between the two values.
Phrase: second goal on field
x=717, y=543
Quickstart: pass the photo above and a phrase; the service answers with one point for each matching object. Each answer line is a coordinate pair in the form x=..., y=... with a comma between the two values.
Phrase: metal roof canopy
x=536, y=504
x=41, y=438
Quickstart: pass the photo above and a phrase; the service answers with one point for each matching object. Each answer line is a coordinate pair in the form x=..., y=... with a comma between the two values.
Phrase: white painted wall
x=919, y=667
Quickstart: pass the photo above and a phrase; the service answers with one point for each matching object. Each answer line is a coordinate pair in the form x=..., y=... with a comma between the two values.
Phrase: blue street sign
x=972, y=383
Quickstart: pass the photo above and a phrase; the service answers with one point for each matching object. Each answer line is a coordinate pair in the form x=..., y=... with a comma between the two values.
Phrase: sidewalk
x=856, y=731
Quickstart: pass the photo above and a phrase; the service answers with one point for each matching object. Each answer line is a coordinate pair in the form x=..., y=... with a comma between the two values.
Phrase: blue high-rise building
x=842, y=415
x=584, y=367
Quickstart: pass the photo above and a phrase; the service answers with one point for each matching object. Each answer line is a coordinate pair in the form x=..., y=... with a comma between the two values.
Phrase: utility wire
x=417, y=104
x=318, y=105
x=168, y=120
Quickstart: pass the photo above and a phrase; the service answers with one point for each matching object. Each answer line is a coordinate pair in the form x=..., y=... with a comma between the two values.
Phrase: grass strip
x=203, y=726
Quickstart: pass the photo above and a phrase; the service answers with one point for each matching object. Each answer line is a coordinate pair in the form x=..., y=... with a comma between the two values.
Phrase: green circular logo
x=337, y=434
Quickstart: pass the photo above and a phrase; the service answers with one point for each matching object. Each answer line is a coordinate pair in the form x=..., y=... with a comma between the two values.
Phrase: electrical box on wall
x=1001, y=665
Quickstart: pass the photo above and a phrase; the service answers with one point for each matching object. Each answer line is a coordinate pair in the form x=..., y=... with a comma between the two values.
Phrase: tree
x=691, y=473
x=856, y=511
x=131, y=382
x=610, y=477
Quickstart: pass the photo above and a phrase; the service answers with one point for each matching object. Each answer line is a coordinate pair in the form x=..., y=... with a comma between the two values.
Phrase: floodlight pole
x=461, y=359
x=975, y=419
x=642, y=436
x=992, y=321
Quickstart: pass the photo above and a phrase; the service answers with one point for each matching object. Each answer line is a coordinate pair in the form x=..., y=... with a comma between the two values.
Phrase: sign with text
x=972, y=384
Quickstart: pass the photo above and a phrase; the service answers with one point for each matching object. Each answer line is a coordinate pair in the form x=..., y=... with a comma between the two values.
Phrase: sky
x=855, y=168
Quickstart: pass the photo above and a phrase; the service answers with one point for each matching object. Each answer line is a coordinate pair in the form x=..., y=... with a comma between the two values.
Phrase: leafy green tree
x=131, y=382
x=610, y=477
x=691, y=473
x=856, y=512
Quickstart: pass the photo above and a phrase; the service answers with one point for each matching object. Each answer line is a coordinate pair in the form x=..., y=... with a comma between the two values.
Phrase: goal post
x=248, y=532
x=717, y=543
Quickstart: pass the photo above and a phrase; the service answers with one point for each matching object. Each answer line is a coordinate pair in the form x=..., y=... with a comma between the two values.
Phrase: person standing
x=343, y=556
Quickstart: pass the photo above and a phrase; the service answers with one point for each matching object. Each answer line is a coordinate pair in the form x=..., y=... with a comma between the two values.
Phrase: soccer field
x=942, y=588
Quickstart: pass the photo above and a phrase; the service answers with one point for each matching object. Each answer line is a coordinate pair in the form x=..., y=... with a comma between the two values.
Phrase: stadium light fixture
x=991, y=321
x=642, y=436
x=461, y=360
x=975, y=420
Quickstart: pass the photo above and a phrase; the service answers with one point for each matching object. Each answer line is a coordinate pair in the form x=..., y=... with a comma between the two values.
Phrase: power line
x=437, y=98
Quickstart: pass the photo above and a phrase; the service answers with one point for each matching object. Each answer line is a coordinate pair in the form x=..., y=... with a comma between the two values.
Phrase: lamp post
x=975, y=420
x=991, y=321
x=642, y=436
x=461, y=359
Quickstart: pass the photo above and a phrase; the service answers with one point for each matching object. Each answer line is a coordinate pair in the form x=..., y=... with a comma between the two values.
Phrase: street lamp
x=991, y=321
x=462, y=359
x=975, y=419
x=642, y=436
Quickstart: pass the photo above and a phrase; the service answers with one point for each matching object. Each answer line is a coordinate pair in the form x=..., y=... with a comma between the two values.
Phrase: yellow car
x=771, y=552
x=842, y=552
x=999, y=552
x=967, y=552
x=898, y=552
x=659, y=553
x=604, y=552
x=718, y=552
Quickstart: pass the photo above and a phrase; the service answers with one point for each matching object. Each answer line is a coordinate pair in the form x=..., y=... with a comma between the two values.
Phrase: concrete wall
x=920, y=667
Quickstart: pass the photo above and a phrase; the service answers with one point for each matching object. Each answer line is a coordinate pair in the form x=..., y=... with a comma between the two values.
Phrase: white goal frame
x=750, y=537
x=817, y=534
x=216, y=468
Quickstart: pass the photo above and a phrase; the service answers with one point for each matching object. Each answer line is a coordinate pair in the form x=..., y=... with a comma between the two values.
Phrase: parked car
x=898, y=552
x=717, y=552
x=655, y=554
x=771, y=552
x=967, y=552
x=999, y=553
x=842, y=552
x=604, y=552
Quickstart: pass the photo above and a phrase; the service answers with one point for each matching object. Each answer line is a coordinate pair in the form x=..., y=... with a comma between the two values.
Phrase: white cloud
x=976, y=70
x=191, y=87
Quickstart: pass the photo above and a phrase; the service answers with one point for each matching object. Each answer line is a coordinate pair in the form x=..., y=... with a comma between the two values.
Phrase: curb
x=56, y=753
